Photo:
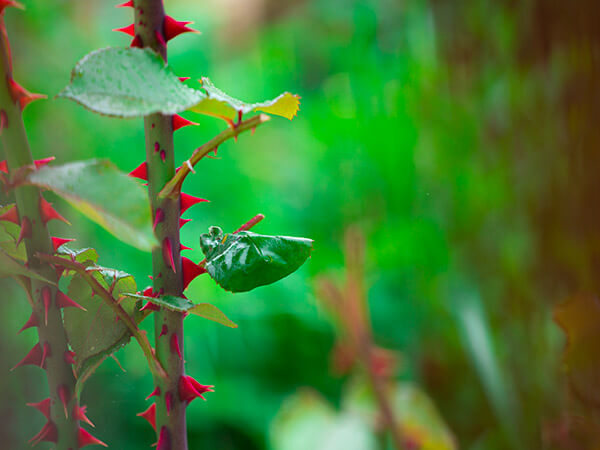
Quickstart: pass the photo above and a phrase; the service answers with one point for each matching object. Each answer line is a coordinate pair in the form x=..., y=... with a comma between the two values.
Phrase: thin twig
x=173, y=186
x=114, y=304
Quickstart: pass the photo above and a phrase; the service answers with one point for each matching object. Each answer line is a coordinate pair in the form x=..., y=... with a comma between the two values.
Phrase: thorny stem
x=139, y=335
x=173, y=187
x=51, y=332
x=170, y=410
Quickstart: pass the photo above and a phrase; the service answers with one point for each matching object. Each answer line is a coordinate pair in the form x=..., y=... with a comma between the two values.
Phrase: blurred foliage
x=461, y=136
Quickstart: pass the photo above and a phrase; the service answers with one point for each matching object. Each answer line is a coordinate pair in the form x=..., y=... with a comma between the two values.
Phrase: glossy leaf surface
x=243, y=261
x=105, y=195
x=217, y=103
x=128, y=82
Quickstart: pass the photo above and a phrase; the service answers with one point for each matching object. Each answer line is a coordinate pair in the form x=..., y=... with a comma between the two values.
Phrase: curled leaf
x=243, y=261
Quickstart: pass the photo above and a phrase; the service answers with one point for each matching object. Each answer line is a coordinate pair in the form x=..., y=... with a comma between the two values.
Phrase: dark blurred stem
x=170, y=410
x=51, y=331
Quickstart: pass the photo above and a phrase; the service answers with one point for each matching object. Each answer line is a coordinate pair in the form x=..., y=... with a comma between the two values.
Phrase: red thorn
x=182, y=222
x=3, y=166
x=187, y=201
x=190, y=270
x=62, y=301
x=48, y=212
x=189, y=389
x=57, y=242
x=12, y=215
x=180, y=122
x=148, y=292
x=129, y=29
x=150, y=306
x=20, y=94
x=169, y=402
x=182, y=79
x=149, y=415
x=163, y=155
x=156, y=147
x=46, y=297
x=47, y=433
x=184, y=247
x=155, y=392
x=31, y=322
x=164, y=330
x=167, y=250
x=25, y=230
x=175, y=348
x=164, y=440
x=65, y=397
x=86, y=438
x=160, y=38
x=136, y=42
x=125, y=5
x=158, y=218
x=43, y=407
x=79, y=414
x=173, y=28
x=70, y=357
x=140, y=172
x=42, y=162
x=35, y=357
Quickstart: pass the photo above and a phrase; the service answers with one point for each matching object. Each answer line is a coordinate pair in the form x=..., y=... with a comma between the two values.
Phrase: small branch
x=257, y=218
x=173, y=187
x=114, y=304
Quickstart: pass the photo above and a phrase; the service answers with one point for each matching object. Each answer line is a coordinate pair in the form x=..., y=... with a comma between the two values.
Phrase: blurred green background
x=462, y=138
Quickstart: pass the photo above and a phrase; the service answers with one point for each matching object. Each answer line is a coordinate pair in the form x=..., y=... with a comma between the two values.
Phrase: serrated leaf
x=219, y=104
x=179, y=304
x=105, y=195
x=96, y=333
x=243, y=261
x=10, y=267
x=83, y=256
x=128, y=82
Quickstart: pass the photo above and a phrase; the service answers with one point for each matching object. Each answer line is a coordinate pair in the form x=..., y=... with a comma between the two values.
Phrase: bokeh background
x=460, y=136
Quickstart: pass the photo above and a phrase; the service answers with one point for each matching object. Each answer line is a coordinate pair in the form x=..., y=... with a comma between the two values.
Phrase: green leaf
x=307, y=421
x=105, y=195
x=9, y=234
x=211, y=312
x=82, y=256
x=414, y=411
x=243, y=261
x=172, y=303
x=96, y=333
x=10, y=267
x=217, y=103
x=128, y=82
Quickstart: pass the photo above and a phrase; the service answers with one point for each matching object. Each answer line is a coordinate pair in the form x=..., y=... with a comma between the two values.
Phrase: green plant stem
x=139, y=335
x=173, y=187
x=18, y=154
x=149, y=20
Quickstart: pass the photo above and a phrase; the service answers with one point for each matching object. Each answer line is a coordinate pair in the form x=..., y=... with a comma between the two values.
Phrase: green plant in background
x=376, y=409
x=129, y=82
